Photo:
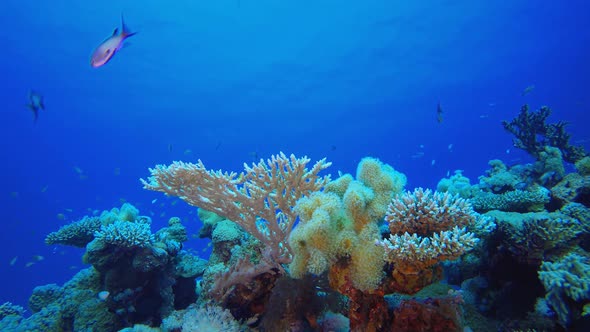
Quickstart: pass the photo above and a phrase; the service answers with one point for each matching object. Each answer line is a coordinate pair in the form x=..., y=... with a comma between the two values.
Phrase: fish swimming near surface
x=107, y=49
x=35, y=103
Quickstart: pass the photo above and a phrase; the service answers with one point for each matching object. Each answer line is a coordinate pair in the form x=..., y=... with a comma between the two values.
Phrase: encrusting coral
x=530, y=237
x=583, y=166
x=567, y=283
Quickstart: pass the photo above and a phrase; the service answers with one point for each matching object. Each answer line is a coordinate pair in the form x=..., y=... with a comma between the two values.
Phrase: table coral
x=426, y=228
x=260, y=199
x=512, y=201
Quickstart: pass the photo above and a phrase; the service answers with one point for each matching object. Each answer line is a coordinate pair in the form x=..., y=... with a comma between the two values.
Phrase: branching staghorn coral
x=260, y=199
x=532, y=134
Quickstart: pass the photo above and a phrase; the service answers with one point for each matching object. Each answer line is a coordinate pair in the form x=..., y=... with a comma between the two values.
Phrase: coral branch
x=426, y=228
x=532, y=134
x=260, y=199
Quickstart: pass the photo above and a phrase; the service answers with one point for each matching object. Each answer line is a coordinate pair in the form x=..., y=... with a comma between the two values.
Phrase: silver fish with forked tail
x=107, y=49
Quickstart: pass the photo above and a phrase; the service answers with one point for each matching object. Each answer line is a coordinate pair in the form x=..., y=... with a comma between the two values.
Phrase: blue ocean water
x=231, y=81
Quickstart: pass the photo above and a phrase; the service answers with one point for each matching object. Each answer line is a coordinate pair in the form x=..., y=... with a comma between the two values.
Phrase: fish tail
x=35, y=113
x=126, y=32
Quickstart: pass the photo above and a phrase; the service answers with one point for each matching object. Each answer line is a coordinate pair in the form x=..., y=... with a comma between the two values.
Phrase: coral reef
x=260, y=199
x=549, y=166
x=532, y=134
x=567, y=282
x=80, y=233
x=299, y=303
x=583, y=166
x=203, y=319
x=337, y=231
x=514, y=201
x=436, y=315
x=293, y=251
x=426, y=228
x=499, y=179
x=573, y=188
x=339, y=225
x=145, y=276
x=520, y=188
x=457, y=184
x=9, y=309
x=73, y=307
x=530, y=237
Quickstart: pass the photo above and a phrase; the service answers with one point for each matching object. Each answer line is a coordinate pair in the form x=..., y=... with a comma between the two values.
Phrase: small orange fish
x=107, y=49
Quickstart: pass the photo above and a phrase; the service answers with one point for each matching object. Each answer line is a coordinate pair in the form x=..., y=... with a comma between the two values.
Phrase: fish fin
x=42, y=103
x=35, y=113
x=116, y=31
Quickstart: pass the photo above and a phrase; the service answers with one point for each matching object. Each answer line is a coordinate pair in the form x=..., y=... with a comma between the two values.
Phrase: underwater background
x=233, y=81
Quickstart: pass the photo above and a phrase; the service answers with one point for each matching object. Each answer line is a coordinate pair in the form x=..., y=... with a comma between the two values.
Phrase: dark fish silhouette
x=527, y=90
x=254, y=155
x=439, y=113
x=35, y=104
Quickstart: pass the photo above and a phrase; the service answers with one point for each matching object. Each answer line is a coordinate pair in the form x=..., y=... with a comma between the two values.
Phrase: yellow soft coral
x=383, y=180
x=339, y=226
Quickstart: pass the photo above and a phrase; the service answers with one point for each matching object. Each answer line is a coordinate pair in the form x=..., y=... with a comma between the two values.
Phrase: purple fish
x=105, y=51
